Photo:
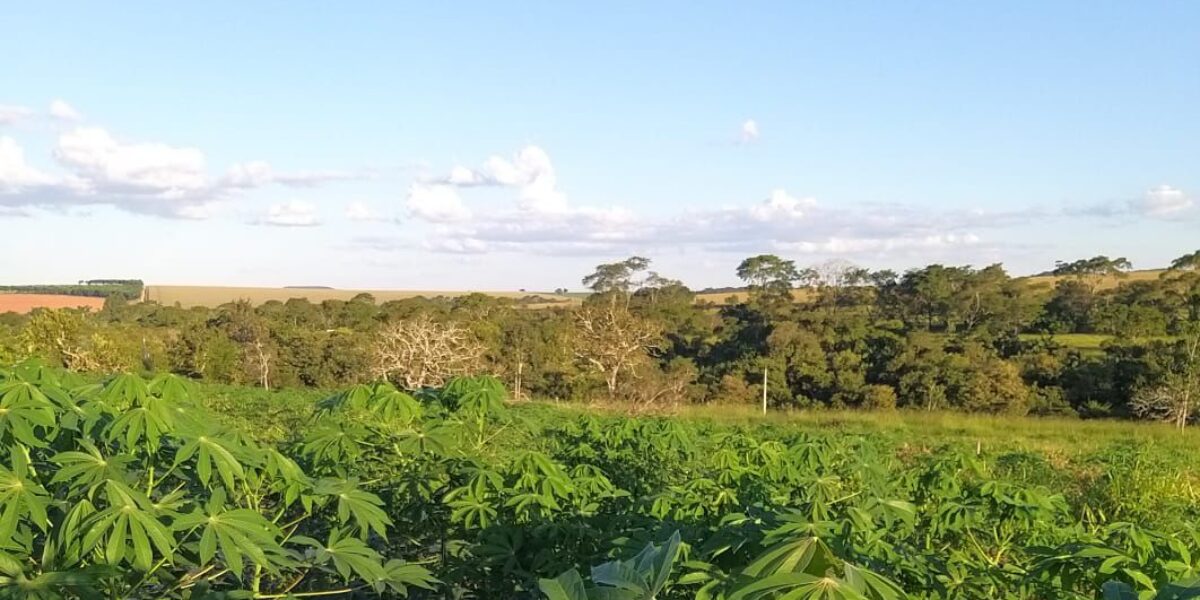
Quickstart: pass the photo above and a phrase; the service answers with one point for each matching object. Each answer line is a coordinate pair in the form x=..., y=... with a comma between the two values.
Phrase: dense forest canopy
x=829, y=335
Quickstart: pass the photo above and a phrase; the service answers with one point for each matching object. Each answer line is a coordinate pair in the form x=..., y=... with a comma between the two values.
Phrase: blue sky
x=489, y=146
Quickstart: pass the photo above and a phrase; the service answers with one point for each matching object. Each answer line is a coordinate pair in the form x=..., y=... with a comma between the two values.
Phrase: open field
x=24, y=303
x=1108, y=282
x=197, y=295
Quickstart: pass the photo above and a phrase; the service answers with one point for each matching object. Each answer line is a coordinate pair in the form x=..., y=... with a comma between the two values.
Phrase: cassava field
x=123, y=487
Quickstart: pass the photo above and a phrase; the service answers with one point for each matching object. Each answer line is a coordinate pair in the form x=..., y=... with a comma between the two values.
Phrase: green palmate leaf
x=350, y=556
x=124, y=391
x=212, y=453
x=333, y=444
x=70, y=532
x=871, y=585
x=88, y=469
x=399, y=576
x=288, y=478
x=434, y=440
x=394, y=406
x=144, y=424
x=128, y=530
x=242, y=535
x=355, y=397
x=568, y=586
x=806, y=555
x=26, y=414
x=796, y=586
x=84, y=583
x=478, y=396
x=645, y=575
x=169, y=387
x=21, y=497
x=363, y=507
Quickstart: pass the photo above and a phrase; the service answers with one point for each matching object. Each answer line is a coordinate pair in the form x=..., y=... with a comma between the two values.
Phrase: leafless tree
x=420, y=352
x=1177, y=399
x=610, y=340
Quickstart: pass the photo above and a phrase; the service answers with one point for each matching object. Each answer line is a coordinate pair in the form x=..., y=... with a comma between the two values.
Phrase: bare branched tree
x=420, y=352
x=610, y=341
x=1177, y=399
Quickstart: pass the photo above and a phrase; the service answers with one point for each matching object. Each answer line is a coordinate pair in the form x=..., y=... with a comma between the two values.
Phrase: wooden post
x=764, y=390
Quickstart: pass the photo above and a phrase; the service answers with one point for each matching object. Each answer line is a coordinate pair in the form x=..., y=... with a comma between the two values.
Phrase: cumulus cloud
x=15, y=173
x=62, y=111
x=295, y=213
x=541, y=220
x=437, y=203
x=749, y=132
x=10, y=114
x=530, y=171
x=155, y=178
x=103, y=162
x=781, y=205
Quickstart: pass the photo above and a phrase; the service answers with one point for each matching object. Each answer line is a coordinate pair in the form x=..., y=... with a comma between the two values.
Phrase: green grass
x=1052, y=435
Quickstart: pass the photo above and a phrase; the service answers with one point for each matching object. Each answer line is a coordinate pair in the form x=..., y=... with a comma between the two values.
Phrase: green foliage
x=127, y=489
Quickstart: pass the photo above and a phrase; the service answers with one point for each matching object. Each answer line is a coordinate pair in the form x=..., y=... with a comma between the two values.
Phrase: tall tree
x=1187, y=262
x=616, y=280
x=769, y=277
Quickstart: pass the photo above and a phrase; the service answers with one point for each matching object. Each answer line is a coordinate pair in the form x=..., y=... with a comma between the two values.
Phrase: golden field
x=188, y=296
x=199, y=295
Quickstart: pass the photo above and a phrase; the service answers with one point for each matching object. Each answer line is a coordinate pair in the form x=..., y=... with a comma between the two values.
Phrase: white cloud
x=62, y=111
x=781, y=205
x=844, y=246
x=151, y=178
x=259, y=173
x=296, y=213
x=1163, y=201
x=15, y=173
x=749, y=132
x=438, y=203
x=530, y=171
x=104, y=163
x=256, y=173
x=10, y=114
x=359, y=211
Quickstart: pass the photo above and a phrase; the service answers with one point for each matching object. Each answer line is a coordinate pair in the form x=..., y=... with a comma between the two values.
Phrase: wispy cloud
x=749, y=132
x=10, y=114
x=1162, y=202
x=296, y=213
x=62, y=111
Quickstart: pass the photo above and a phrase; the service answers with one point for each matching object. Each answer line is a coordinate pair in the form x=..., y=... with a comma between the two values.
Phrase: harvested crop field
x=24, y=303
x=197, y=295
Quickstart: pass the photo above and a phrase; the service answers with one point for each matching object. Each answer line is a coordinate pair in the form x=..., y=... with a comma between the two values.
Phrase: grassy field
x=197, y=295
x=210, y=296
x=1047, y=282
x=1049, y=435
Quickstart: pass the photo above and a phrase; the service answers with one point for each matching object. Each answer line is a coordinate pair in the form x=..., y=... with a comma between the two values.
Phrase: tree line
x=830, y=335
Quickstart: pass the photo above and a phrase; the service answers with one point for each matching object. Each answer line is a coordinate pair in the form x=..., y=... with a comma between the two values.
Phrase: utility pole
x=764, y=390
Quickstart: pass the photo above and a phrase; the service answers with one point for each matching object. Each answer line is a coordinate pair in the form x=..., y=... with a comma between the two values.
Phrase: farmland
x=23, y=303
x=189, y=296
x=459, y=492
